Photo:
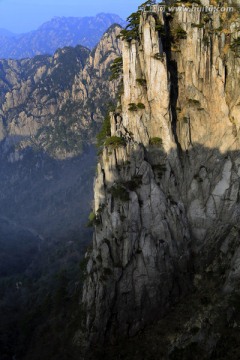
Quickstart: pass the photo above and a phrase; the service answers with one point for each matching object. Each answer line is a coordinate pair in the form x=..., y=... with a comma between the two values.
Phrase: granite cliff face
x=167, y=194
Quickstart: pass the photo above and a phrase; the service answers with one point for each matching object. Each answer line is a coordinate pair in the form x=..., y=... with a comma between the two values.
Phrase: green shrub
x=141, y=106
x=199, y=26
x=104, y=132
x=116, y=68
x=136, y=107
x=101, y=208
x=118, y=191
x=93, y=219
x=158, y=56
x=156, y=141
x=235, y=46
x=141, y=82
x=131, y=31
x=179, y=33
x=160, y=28
x=206, y=18
x=115, y=141
x=134, y=183
x=132, y=107
x=194, y=102
x=220, y=28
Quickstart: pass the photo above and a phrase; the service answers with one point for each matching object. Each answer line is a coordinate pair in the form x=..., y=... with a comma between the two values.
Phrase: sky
x=21, y=16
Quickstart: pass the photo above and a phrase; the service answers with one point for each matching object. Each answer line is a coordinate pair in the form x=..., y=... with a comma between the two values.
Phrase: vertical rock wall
x=167, y=200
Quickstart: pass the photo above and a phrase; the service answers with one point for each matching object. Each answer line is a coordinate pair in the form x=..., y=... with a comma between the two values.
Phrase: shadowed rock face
x=51, y=108
x=167, y=203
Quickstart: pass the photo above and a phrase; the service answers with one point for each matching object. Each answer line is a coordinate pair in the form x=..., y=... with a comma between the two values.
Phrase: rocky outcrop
x=51, y=108
x=57, y=103
x=167, y=195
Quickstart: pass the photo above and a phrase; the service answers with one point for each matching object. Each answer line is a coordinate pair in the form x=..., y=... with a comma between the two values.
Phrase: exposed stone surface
x=167, y=212
x=51, y=108
x=57, y=103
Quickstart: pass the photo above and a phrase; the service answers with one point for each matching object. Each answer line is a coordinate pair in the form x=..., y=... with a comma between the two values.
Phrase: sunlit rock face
x=167, y=202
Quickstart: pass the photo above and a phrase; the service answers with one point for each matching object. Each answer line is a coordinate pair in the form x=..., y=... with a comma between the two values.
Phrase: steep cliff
x=50, y=111
x=167, y=188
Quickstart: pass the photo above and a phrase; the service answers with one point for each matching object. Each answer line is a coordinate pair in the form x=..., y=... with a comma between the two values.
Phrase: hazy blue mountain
x=6, y=33
x=57, y=33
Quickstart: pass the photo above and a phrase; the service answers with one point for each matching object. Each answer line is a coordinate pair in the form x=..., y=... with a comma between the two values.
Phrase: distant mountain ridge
x=6, y=33
x=57, y=33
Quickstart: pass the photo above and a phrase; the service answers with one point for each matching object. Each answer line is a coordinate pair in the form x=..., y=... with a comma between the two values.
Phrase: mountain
x=57, y=33
x=163, y=273
x=6, y=33
x=51, y=108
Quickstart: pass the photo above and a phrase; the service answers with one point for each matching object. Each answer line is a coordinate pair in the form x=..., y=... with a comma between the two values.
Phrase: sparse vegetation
x=115, y=141
x=118, y=191
x=235, y=46
x=104, y=132
x=158, y=56
x=141, y=82
x=136, y=107
x=132, y=107
x=156, y=141
x=194, y=102
x=134, y=183
x=141, y=106
x=116, y=68
x=131, y=31
x=179, y=33
x=160, y=28
x=199, y=26
x=93, y=219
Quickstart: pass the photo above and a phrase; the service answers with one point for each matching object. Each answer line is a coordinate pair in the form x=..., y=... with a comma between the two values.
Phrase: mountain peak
x=57, y=33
